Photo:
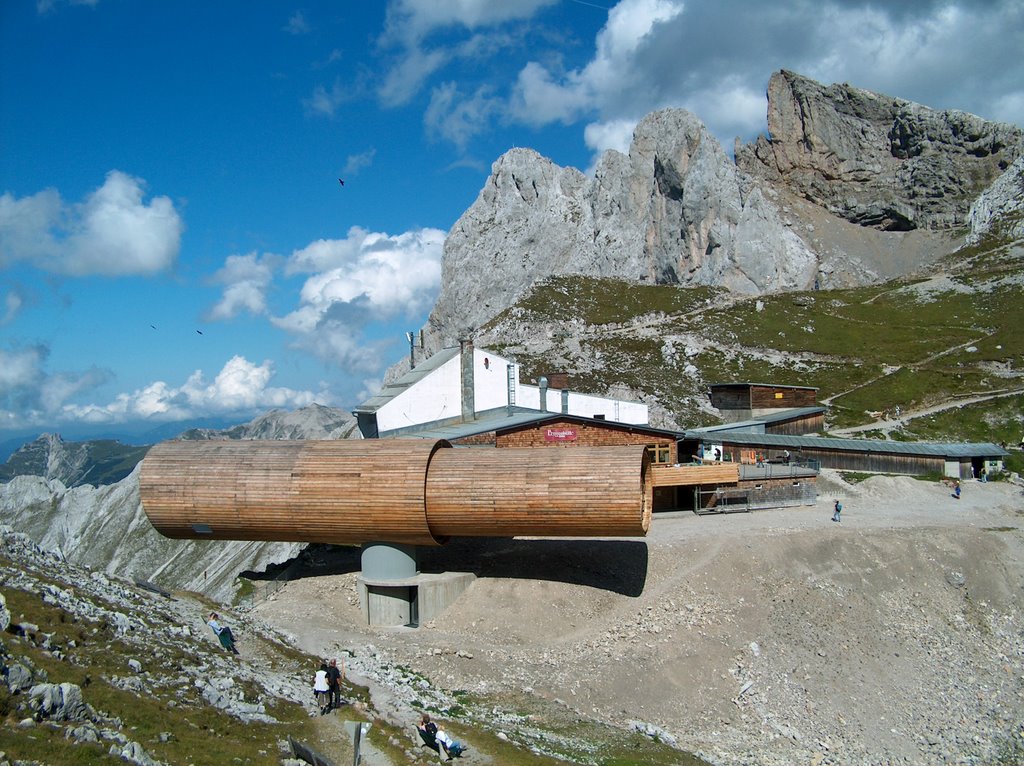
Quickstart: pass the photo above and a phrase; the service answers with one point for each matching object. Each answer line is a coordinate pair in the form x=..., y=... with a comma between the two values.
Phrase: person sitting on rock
x=223, y=632
x=428, y=732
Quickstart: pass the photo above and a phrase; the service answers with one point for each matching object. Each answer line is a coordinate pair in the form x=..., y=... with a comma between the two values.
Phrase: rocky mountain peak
x=312, y=422
x=850, y=187
x=876, y=160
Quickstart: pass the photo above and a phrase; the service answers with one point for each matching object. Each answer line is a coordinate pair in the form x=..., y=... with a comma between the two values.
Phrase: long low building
x=952, y=459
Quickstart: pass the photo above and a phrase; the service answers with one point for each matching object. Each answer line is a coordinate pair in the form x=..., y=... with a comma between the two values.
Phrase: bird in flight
x=341, y=181
x=199, y=331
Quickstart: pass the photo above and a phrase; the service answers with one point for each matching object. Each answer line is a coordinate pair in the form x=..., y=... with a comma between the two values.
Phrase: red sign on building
x=560, y=434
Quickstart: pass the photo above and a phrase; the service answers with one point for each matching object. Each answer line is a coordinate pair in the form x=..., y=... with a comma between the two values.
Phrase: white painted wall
x=438, y=396
x=585, y=405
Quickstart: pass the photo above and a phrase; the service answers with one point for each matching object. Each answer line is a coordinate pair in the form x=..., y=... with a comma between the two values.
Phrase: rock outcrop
x=312, y=422
x=851, y=188
x=876, y=160
x=674, y=211
x=1000, y=205
x=73, y=463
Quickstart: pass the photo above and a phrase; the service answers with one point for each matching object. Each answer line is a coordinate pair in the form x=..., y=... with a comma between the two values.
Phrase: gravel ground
x=893, y=637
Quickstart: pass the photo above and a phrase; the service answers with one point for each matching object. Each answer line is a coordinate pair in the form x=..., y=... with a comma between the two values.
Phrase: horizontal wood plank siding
x=299, y=491
x=395, y=490
x=693, y=475
x=581, y=491
x=780, y=396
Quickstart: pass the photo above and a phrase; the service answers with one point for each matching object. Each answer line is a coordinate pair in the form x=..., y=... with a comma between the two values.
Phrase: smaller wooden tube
x=542, y=492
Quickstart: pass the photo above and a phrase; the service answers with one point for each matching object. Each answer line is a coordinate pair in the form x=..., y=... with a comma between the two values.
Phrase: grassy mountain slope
x=939, y=356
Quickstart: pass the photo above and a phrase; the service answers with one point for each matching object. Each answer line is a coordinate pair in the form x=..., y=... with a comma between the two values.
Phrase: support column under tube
x=388, y=580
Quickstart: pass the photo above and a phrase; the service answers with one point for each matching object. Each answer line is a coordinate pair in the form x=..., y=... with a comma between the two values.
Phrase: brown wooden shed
x=753, y=398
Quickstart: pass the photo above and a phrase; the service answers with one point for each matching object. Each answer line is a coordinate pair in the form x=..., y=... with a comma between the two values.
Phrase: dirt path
x=903, y=417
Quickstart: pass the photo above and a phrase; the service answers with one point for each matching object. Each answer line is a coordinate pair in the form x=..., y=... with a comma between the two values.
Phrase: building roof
x=762, y=385
x=776, y=417
x=505, y=418
x=934, y=449
x=407, y=381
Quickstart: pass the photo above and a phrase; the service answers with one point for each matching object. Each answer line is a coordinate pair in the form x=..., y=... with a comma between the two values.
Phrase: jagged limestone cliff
x=874, y=159
x=851, y=188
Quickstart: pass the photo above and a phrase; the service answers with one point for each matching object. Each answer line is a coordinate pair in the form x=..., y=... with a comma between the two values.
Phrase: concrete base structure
x=392, y=592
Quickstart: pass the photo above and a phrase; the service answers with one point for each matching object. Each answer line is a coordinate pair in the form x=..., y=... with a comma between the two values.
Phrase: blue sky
x=174, y=242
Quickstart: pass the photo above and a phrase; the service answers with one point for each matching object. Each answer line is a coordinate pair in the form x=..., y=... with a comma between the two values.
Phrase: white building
x=455, y=384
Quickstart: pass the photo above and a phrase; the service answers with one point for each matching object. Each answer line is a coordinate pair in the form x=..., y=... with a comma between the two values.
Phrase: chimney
x=468, y=397
x=512, y=379
x=565, y=401
x=543, y=383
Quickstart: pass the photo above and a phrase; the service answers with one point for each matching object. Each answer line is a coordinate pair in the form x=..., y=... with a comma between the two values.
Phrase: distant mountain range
x=104, y=527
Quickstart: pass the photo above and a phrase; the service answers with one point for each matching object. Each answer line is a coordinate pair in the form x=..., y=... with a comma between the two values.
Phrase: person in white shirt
x=322, y=689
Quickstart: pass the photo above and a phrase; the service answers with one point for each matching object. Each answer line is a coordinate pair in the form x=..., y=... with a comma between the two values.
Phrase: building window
x=659, y=453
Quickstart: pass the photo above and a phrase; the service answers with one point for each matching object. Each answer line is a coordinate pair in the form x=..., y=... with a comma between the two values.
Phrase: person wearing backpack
x=838, y=509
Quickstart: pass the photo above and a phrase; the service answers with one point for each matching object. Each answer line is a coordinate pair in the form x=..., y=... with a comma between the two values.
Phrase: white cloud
x=357, y=162
x=112, y=233
x=540, y=97
x=363, y=278
x=458, y=119
x=240, y=386
x=409, y=21
x=715, y=60
x=245, y=279
x=406, y=78
x=29, y=395
x=326, y=102
x=614, y=134
x=297, y=24
x=12, y=306
x=21, y=370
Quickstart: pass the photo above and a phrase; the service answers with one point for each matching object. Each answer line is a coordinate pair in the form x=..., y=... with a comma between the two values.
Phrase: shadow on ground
x=619, y=566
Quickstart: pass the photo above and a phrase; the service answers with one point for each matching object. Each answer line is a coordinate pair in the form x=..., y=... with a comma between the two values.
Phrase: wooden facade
x=760, y=396
x=395, y=490
x=801, y=425
x=580, y=432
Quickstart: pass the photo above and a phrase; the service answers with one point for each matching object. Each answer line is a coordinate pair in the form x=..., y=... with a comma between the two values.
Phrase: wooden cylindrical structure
x=289, y=491
x=551, y=492
x=393, y=490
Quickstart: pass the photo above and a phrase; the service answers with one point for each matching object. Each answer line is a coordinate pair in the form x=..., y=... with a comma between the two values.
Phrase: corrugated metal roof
x=747, y=425
x=413, y=376
x=762, y=385
x=499, y=419
x=935, y=449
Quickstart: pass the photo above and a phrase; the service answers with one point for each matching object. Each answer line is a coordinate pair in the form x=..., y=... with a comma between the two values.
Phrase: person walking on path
x=321, y=688
x=837, y=509
x=335, y=676
x=223, y=632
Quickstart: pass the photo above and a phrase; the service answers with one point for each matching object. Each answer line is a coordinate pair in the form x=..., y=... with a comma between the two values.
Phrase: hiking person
x=321, y=689
x=334, y=678
x=223, y=632
x=837, y=509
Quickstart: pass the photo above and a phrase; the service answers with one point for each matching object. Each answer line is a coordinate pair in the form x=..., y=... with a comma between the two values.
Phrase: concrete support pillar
x=389, y=594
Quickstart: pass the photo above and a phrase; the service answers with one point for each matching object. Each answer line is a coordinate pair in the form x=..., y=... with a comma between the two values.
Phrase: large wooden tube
x=294, y=491
x=550, y=492
x=392, y=490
